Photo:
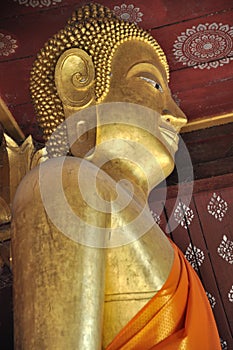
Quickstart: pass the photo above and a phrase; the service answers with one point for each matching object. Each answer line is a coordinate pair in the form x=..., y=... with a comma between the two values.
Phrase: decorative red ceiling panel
x=206, y=101
x=152, y=13
x=15, y=75
x=198, y=41
x=33, y=30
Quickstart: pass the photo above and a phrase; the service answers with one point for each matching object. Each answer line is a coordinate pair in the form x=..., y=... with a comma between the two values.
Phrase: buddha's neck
x=132, y=178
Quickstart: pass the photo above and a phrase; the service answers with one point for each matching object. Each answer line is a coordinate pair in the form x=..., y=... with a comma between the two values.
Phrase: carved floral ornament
x=217, y=207
x=230, y=294
x=183, y=215
x=38, y=3
x=212, y=299
x=128, y=13
x=223, y=344
x=195, y=256
x=8, y=45
x=225, y=249
x=207, y=46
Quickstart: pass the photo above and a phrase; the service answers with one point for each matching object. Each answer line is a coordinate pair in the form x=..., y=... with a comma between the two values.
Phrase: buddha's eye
x=155, y=84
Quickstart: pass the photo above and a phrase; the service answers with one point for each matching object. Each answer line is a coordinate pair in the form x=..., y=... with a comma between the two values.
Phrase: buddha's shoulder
x=73, y=176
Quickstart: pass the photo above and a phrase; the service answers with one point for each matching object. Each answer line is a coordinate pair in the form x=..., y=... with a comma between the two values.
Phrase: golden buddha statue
x=110, y=279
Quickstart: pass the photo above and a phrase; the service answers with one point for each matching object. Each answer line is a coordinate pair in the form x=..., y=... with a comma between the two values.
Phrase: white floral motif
x=217, y=207
x=156, y=217
x=225, y=249
x=7, y=45
x=205, y=46
x=38, y=3
x=183, y=215
x=223, y=344
x=212, y=299
x=195, y=256
x=128, y=13
x=230, y=294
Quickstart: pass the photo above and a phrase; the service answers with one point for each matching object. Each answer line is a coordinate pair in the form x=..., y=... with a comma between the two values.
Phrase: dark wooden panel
x=197, y=136
x=211, y=152
x=215, y=210
x=189, y=237
x=205, y=170
x=6, y=307
x=205, y=152
x=214, y=168
x=199, y=241
x=198, y=186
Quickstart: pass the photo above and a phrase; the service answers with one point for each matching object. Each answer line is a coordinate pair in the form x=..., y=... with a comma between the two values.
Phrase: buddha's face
x=138, y=77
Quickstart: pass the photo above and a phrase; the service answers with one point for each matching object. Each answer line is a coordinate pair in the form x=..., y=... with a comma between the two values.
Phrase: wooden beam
x=9, y=124
x=207, y=122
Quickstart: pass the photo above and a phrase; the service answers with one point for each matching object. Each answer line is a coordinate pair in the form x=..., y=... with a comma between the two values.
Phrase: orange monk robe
x=179, y=317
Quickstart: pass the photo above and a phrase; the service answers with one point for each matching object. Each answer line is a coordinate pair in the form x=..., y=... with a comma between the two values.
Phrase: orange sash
x=178, y=317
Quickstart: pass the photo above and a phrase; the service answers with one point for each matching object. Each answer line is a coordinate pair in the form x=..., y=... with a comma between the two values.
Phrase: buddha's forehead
x=138, y=53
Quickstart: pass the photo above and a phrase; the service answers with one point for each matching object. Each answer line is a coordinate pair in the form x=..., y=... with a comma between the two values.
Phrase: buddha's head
x=97, y=59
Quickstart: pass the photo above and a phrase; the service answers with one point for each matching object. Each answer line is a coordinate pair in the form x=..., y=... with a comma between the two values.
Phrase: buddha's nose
x=173, y=115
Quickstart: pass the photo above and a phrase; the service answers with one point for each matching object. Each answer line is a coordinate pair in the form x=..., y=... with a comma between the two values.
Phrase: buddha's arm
x=134, y=274
x=58, y=283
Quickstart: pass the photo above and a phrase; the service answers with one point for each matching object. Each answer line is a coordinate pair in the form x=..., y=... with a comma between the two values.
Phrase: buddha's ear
x=74, y=79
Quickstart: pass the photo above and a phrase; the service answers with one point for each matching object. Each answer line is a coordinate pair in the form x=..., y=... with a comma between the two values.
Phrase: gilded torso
x=129, y=275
